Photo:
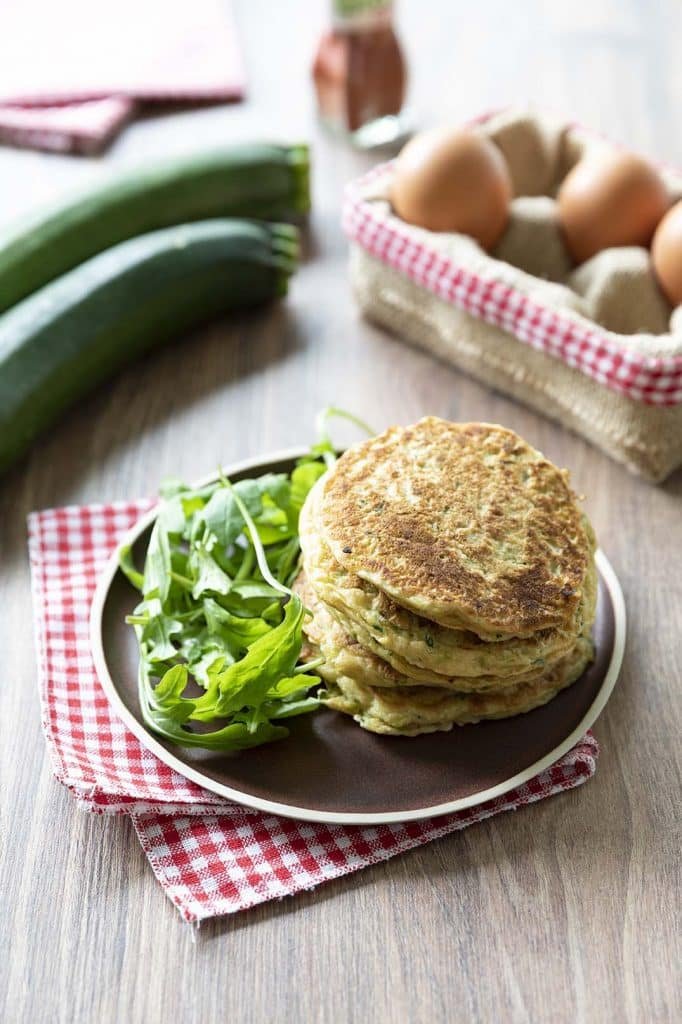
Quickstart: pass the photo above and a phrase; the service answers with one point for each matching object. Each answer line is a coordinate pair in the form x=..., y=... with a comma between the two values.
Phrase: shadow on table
x=673, y=485
x=216, y=928
x=465, y=852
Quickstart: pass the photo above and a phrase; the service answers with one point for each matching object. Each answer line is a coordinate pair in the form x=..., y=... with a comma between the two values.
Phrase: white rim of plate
x=148, y=740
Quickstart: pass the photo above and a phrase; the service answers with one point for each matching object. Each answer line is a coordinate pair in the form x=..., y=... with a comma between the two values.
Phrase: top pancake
x=406, y=639
x=464, y=524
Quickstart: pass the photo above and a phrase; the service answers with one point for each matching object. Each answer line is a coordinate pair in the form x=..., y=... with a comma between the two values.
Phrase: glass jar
x=360, y=74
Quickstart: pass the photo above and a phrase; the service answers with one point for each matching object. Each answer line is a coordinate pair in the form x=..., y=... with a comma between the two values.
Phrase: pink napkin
x=212, y=857
x=72, y=73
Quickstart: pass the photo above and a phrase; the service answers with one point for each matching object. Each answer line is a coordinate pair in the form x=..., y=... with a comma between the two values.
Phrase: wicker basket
x=596, y=348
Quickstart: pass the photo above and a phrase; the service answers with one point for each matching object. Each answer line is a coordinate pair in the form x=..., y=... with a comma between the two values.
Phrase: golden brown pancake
x=464, y=524
x=409, y=713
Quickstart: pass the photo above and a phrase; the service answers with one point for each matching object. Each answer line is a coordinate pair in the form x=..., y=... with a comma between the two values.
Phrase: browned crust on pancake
x=432, y=651
x=465, y=520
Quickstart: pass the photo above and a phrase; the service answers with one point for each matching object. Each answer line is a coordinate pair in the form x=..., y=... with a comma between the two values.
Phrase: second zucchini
x=73, y=333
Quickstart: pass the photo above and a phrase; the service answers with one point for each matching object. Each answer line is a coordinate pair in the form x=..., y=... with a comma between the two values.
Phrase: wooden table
x=564, y=912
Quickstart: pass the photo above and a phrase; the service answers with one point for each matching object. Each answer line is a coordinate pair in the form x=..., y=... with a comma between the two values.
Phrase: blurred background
x=613, y=65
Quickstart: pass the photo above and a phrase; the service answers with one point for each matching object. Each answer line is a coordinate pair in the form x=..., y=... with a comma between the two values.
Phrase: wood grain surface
x=565, y=912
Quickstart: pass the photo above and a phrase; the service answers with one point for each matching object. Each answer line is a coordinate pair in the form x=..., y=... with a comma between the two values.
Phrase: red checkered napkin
x=73, y=128
x=72, y=73
x=212, y=857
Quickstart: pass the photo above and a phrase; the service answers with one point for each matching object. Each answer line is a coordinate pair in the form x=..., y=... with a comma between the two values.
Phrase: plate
x=331, y=770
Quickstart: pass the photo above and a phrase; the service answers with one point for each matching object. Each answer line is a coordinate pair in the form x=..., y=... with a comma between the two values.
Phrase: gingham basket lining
x=653, y=380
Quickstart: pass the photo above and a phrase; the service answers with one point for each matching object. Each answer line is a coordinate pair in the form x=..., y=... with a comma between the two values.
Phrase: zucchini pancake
x=450, y=574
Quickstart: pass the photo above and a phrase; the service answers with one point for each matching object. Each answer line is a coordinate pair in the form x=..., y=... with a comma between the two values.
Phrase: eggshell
x=666, y=254
x=610, y=198
x=453, y=181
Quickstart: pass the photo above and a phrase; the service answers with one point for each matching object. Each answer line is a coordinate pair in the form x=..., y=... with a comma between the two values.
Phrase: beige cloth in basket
x=616, y=290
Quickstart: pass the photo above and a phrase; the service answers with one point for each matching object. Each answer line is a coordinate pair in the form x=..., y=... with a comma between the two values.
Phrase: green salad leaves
x=219, y=629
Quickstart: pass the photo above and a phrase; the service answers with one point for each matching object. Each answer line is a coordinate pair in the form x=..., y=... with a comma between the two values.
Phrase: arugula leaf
x=268, y=659
x=170, y=487
x=125, y=561
x=190, y=504
x=272, y=523
x=157, y=566
x=290, y=686
x=208, y=576
x=239, y=629
x=166, y=697
x=253, y=590
x=276, y=485
x=171, y=516
x=236, y=736
x=157, y=635
x=289, y=709
x=212, y=660
x=221, y=514
x=286, y=565
x=303, y=478
x=204, y=653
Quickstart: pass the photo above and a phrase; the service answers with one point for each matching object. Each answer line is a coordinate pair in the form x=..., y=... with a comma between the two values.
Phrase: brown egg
x=610, y=198
x=453, y=181
x=666, y=254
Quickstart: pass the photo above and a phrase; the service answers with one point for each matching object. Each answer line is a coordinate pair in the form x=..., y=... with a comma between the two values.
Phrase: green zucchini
x=266, y=182
x=74, y=332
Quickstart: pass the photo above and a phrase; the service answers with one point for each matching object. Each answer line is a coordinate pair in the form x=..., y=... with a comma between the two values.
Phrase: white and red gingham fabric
x=73, y=128
x=649, y=379
x=73, y=73
x=212, y=857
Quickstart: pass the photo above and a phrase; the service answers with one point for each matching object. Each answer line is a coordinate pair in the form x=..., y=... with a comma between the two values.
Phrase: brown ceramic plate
x=331, y=770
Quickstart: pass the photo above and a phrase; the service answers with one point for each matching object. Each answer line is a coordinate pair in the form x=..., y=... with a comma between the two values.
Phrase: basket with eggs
x=542, y=260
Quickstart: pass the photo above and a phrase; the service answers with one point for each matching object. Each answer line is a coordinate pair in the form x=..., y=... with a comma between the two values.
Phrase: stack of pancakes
x=450, y=574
